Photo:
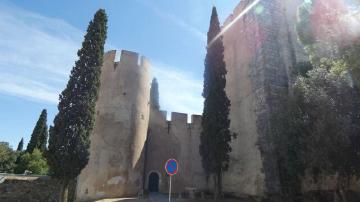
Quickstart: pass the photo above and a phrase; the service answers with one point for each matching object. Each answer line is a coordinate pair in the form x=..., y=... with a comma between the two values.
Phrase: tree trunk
x=344, y=184
x=215, y=188
x=218, y=186
x=343, y=195
x=336, y=196
x=341, y=185
x=64, y=191
x=336, y=191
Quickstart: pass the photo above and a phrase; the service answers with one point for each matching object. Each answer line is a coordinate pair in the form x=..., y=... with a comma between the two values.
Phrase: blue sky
x=39, y=40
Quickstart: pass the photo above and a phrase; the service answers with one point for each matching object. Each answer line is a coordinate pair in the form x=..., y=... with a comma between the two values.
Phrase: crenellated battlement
x=196, y=120
x=127, y=58
x=177, y=118
x=180, y=118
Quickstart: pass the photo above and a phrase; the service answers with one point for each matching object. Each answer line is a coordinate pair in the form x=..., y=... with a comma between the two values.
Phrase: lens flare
x=227, y=27
x=335, y=22
x=259, y=9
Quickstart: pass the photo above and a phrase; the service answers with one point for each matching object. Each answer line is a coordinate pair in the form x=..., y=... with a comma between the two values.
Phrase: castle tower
x=116, y=160
x=261, y=49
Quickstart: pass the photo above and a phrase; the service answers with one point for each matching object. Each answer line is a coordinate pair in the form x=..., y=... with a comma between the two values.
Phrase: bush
x=7, y=158
x=34, y=162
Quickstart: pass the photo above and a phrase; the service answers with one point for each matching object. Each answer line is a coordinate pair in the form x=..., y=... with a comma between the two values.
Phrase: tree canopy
x=154, y=94
x=34, y=162
x=20, y=145
x=70, y=136
x=324, y=108
x=7, y=158
x=39, y=135
x=215, y=136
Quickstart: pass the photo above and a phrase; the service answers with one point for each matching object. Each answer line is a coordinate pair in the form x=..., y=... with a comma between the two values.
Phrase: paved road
x=157, y=197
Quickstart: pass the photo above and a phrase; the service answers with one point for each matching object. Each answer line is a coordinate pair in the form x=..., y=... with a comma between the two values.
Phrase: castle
x=131, y=141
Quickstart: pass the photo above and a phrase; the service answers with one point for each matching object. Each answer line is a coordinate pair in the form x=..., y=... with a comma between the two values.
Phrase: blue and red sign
x=171, y=167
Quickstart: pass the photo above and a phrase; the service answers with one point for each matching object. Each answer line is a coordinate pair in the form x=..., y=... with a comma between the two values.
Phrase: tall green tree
x=331, y=110
x=40, y=133
x=20, y=145
x=215, y=136
x=325, y=50
x=154, y=94
x=288, y=126
x=69, y=142
x=322, y=110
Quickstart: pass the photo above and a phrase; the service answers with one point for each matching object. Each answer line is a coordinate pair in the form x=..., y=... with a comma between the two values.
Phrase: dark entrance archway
x=153, y=182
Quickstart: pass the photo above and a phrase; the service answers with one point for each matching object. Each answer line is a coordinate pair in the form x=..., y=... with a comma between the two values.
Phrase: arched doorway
x=153, y=182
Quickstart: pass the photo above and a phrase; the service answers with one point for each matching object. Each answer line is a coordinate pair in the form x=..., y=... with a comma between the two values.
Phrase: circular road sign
x=171, y=167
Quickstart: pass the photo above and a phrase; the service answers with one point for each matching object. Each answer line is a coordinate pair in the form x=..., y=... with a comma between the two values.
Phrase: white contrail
x=227, y=27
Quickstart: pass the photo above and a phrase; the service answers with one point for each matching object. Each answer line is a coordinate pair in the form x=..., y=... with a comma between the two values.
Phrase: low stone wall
x=32, y=189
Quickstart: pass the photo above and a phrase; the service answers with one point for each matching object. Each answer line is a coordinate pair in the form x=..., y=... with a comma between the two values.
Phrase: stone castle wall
x=261, y=50
x=116, y=162
x=174, y=139
x=130, y=141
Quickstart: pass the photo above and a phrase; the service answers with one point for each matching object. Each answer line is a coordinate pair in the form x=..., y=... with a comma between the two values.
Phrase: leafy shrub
x=34, y=162
x=7, y=158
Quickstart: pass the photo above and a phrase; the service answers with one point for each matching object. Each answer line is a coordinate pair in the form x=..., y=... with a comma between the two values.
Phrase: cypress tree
x=20, y=145
x=43, y=137
x=215, y=137
x=39, y=133
x=154, y=94
x=70, y=137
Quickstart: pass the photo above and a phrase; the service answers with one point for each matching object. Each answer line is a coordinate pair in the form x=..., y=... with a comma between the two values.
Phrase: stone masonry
x=260, y=52
x=116, y=161
x=131, y=141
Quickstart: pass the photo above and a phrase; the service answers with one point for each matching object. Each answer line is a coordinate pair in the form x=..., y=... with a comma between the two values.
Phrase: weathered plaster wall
x=245, y=171
x=260, y=52
x=174, y=139
x=115, y=166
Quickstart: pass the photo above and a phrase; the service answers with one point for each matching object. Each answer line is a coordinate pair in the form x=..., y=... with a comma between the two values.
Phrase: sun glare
x=227, y=27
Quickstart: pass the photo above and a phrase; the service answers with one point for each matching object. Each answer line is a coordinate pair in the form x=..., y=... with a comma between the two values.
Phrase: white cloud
x=36, y=53
x=179, y=91
x=174, y=19
x=30, y=89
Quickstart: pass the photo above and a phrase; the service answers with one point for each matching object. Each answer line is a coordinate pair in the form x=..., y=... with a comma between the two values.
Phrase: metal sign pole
x=170, y=190
x=171, y=167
